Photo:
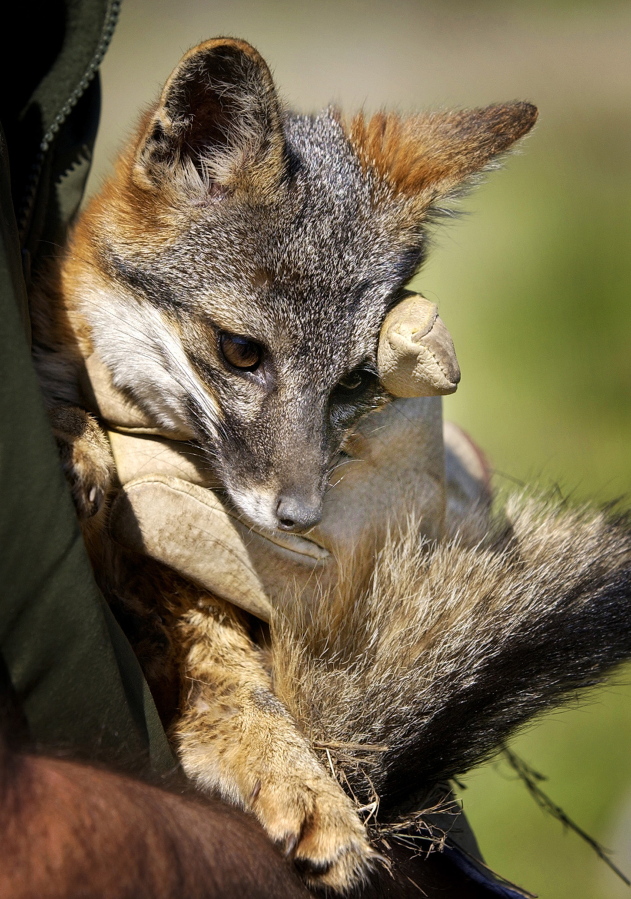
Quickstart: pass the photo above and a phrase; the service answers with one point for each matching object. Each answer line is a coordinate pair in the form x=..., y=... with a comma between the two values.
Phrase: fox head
x=235, y=271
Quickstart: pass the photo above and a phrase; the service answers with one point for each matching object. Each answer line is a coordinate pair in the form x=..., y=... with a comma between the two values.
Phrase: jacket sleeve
x=66, y=669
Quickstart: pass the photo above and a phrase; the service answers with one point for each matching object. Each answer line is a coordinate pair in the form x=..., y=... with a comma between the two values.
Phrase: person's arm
x=68, y=829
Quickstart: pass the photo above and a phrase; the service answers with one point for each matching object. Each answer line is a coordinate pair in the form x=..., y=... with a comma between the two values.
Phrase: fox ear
x=217, y=124
x=428, y=157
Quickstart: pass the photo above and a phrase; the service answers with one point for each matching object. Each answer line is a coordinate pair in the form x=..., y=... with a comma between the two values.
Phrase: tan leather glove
x=401, y=463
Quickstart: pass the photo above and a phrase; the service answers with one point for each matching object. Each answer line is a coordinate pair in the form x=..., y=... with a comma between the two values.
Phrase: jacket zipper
x=33, y=179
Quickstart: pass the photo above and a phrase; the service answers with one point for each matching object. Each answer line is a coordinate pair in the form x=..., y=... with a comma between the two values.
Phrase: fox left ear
x=427, y=157
x=216, y=126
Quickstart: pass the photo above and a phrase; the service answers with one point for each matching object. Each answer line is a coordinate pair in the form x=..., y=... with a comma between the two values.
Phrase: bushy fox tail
x=422, y=667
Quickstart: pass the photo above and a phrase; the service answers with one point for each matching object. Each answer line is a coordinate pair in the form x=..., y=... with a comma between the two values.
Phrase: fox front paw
x=86, y=458
x=315, y=824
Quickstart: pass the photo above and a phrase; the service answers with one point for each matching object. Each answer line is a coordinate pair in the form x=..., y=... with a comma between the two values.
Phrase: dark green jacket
x=68, y=677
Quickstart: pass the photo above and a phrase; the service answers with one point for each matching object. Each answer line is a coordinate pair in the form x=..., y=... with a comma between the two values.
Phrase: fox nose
x=298, y=514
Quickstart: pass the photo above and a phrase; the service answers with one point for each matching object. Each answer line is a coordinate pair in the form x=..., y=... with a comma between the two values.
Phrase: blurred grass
x=584, y=752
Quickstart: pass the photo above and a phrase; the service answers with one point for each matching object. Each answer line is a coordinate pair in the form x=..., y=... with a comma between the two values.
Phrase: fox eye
x=352, y=381
x=240, y=352
x=353, y=385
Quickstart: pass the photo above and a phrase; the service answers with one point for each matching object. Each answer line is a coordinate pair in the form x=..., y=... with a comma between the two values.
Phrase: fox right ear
x=217, y=125
x=426, y=158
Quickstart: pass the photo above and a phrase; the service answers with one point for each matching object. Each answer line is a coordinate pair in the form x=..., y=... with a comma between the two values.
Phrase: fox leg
x=86, y=458
x=237, y=739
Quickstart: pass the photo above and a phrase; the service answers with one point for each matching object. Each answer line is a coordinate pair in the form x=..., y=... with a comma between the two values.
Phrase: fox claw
x=85, y=457
x=317, y=826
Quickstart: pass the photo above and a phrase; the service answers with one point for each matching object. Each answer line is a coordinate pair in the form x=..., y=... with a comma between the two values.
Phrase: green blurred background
x=534, y=283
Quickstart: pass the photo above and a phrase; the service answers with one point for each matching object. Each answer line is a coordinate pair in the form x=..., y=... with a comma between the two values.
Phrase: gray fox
x=234, y=272
x=232, y=276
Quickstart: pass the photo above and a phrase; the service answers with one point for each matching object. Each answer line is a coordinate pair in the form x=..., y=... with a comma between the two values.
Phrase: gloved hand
x=397, y=463
x=401, y=462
